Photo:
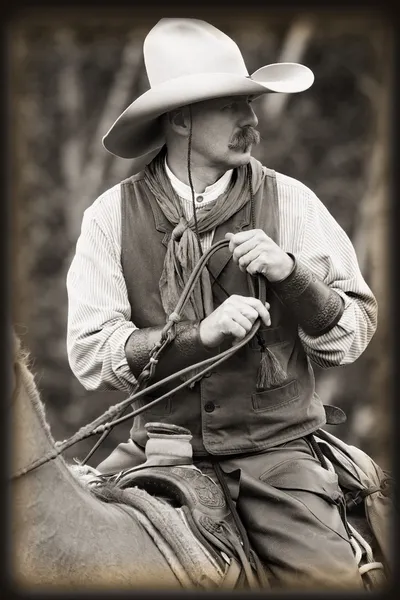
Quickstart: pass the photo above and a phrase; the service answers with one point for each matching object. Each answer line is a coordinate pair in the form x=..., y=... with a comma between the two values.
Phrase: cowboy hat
x=187, y=61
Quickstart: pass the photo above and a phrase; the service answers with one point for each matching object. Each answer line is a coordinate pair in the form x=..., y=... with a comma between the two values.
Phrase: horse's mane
x=25, y=377
x=21, y=355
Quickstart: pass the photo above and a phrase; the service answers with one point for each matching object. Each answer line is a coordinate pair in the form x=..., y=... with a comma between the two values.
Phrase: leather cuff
x=185, y=349
x=315, y=306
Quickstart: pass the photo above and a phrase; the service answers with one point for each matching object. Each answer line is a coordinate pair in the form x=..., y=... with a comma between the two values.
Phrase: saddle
x=170, y=475
x=367, y=491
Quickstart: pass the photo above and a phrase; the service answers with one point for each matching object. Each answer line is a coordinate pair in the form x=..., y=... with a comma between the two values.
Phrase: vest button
x=199, y=199
x=209, y=406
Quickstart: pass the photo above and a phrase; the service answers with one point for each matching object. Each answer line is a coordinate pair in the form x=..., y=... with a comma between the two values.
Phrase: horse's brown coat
x=61, y=536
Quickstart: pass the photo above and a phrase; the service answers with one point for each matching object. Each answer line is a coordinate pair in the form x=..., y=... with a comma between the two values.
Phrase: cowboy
x=195, y=183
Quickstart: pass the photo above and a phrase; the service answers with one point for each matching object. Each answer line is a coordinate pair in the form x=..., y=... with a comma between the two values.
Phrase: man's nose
x=249, y=116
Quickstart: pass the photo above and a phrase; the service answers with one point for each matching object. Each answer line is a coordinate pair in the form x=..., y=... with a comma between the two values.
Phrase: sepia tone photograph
x=200, y=299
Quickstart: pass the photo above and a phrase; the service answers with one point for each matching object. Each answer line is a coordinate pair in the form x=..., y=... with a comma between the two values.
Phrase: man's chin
x=240, y=157
x=233, y=158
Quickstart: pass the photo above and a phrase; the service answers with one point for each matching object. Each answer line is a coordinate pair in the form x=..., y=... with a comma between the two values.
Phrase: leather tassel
x=270, y=371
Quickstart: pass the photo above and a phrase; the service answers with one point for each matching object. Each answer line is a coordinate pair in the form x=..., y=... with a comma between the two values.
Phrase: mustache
x=244, y=138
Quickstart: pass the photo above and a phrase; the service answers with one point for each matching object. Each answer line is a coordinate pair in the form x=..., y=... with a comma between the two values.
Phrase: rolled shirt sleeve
x=98, y=305
x=99, y=312
x=318, y=241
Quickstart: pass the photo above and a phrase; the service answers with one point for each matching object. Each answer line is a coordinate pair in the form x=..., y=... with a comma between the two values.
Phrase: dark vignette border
x=158, y=9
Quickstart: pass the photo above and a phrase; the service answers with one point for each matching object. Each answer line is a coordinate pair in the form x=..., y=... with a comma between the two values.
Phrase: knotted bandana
x=183, y=250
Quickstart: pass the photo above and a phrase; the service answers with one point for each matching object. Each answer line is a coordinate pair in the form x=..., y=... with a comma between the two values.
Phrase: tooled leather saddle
x=169, y=473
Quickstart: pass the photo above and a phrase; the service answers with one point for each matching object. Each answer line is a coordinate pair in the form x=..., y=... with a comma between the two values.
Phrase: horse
x=70, y=531
x=96, y=537
x=64, y=536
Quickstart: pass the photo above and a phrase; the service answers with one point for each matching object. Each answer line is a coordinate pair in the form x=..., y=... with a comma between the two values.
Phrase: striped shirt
x=98, y=307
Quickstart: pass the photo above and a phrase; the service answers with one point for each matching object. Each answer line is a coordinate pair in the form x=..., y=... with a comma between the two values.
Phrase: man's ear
x=179, y=121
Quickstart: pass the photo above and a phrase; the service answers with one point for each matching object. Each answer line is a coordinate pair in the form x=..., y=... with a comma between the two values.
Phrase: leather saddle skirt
x=186, y=486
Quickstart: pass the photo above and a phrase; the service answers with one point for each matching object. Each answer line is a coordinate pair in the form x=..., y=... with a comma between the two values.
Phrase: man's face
x=223, y=131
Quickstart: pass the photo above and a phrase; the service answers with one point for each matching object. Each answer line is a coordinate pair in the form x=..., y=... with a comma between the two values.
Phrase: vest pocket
x=276, y=397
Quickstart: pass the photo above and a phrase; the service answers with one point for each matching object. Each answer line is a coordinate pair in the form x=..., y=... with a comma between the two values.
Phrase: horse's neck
x=41, y=490
x=50, y=492
x=30, y=432
x=62, y=535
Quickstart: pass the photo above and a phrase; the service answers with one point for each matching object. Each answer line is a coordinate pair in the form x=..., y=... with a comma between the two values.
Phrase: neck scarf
x=183, y=251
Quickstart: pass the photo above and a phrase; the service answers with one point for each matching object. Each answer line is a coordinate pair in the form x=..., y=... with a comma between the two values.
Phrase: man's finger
x=236, y=330
x=249, y=245
x=248, y=311
x=260, y=308
x=240, y=237
x=252, y=255
x=243, y=321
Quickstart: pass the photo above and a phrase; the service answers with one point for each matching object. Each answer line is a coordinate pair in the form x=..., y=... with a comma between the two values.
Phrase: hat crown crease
x=189, y=61
x=176, y=48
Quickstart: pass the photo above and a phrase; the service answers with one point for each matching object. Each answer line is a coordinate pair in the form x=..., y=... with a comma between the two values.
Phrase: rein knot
x=174, y=317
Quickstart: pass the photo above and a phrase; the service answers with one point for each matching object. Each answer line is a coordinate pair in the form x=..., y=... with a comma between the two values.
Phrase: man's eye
x=228, y=106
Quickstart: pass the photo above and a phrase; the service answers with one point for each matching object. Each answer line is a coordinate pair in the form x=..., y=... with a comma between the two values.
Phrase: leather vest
x=224, y=411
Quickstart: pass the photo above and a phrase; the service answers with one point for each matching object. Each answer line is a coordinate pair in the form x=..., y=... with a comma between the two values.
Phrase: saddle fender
x=207, y=511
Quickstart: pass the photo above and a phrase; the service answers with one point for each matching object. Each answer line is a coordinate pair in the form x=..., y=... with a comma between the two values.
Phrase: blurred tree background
x=72, y=74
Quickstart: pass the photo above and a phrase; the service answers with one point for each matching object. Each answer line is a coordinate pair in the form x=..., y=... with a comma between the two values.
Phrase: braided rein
x=111, y=417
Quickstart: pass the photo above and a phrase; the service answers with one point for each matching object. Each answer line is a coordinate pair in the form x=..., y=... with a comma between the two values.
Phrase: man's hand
x=253, y=251
x=233, y=319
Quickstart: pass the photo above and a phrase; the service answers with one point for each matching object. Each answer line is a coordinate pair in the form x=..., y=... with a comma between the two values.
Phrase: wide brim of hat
x=137, y=130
